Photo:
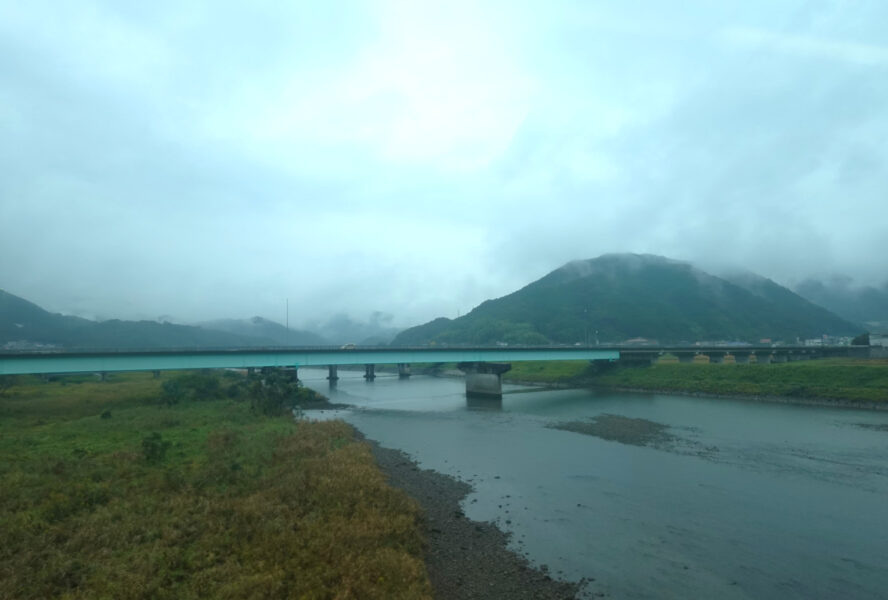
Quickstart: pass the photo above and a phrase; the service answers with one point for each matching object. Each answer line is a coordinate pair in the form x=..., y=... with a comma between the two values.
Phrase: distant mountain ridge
x=23, y=324
x=617, y=297
x=257, y=327
x=861, y=304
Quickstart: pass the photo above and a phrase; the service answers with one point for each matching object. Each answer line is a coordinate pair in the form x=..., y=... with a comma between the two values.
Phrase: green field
x=834, y=379
x=554, y=371
x=136, y=489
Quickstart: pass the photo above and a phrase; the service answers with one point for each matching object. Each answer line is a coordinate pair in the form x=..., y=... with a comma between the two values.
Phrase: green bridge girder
x=30, y=362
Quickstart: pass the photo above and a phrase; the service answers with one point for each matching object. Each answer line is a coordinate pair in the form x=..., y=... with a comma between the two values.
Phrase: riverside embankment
x=850, y=383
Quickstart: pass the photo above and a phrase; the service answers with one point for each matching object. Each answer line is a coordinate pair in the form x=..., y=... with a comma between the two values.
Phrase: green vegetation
x=840, y=379
x=850, y=379
x=185, y=487
x=618, y=297
x=555, y=371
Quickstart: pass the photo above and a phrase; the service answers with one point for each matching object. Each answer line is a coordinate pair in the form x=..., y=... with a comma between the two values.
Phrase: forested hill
x=23, y=324
x=617, y=297
x=867, y=304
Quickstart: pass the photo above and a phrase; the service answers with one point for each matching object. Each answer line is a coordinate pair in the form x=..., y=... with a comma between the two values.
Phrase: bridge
x=483, y=366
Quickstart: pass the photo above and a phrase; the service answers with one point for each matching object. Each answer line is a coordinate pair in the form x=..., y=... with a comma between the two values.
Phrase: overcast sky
x=199, y=160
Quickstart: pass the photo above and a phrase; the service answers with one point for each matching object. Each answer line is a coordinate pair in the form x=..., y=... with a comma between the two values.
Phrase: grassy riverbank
x=184, y=487
x=854, y=380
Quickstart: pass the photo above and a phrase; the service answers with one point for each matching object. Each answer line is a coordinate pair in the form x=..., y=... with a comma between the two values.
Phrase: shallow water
x=748, y=500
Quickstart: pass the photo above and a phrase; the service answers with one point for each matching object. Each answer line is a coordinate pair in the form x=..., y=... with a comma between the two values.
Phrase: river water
x=745, y=500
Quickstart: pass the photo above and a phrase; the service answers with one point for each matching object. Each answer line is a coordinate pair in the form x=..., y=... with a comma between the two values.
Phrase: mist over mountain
x=862, y=304
x=257, y=327
x=617, y=297
x=25, y=325
x=344, y=329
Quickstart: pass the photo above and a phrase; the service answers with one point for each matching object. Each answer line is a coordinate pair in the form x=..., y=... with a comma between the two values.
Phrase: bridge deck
x=99, y=361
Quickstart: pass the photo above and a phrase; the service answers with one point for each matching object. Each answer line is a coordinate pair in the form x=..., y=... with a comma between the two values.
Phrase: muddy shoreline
x=465, y=559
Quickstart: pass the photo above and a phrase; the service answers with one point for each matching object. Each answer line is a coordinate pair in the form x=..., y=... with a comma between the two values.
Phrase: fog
x=202, y=160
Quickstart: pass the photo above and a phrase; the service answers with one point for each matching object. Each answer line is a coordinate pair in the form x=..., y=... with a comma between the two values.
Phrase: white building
x=879, y=339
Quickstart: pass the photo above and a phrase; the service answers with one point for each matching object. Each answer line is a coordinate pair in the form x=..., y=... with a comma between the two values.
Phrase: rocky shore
x=465, y=559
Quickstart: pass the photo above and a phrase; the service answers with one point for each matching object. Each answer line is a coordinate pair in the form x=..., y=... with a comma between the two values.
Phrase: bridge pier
x=762, y=358
x=779, y=357
x=332, y=372
x=403, y=370
x=796, y=356
x=483, y=379
x=369, y=372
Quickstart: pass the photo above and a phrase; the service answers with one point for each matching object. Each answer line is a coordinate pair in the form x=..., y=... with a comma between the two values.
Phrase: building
x=879, y=339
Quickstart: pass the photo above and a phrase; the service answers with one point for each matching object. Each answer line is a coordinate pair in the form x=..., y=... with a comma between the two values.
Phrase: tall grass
x=107, y=491
x=838, y=378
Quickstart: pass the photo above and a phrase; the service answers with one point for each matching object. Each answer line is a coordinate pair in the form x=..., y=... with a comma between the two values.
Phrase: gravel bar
x=465, y=559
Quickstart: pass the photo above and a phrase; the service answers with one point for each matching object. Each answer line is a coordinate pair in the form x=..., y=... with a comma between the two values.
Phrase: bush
x=154, y=448
x=272, y=392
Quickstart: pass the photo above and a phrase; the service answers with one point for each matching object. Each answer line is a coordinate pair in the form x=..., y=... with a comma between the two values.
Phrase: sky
x=194, y=160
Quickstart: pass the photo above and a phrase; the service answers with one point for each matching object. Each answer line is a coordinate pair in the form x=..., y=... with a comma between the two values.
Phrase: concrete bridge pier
x=779, y=357
x=741, y=357
x=369, y=372
x=796, y=356
x=403, y=370
x=716, y=358
x=484, y=379
x=763, y=358
x=332, y=373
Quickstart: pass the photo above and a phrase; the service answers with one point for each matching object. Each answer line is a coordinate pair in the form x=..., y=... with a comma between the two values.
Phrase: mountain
x=865, y=304
x=343, y=329
x=617, y=297
x=23, y=324
x=257, y=327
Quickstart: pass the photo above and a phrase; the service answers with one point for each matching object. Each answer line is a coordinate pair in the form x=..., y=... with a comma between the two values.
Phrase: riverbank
x=178, y=487
x=852, y=383
x=465, y=559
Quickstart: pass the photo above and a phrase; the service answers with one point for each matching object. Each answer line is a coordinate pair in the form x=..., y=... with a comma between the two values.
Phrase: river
x=741, y=499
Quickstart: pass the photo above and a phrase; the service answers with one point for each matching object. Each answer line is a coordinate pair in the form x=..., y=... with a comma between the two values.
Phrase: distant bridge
x=483, y=365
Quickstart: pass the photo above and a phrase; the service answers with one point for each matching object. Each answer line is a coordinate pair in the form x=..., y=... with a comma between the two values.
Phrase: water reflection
x=482, y=403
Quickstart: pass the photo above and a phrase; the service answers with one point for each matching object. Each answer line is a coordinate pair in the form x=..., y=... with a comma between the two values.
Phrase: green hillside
x=617, y=297
x=24, y=324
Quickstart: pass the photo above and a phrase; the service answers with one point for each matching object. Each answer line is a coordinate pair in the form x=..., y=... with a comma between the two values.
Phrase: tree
x=861, y=340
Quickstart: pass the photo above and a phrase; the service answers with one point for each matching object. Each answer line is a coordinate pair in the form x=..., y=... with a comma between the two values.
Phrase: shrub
x=154, y=448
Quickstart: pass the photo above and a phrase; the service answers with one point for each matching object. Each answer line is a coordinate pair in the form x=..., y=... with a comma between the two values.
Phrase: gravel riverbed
x=465, y=559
